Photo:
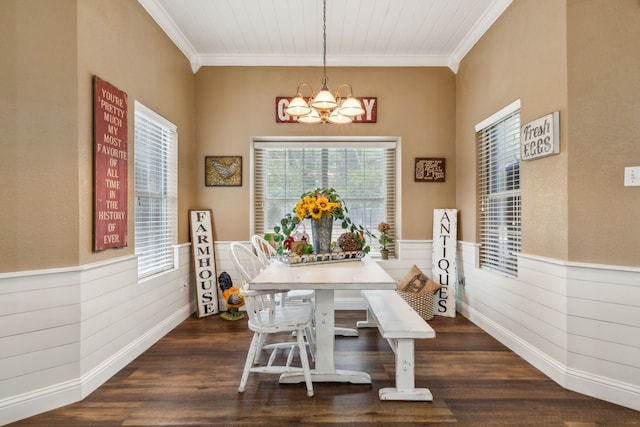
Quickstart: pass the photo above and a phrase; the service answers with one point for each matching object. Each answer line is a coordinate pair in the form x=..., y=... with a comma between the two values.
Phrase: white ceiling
x=359, y=32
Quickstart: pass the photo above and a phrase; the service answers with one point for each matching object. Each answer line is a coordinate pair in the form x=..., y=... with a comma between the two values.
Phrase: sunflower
x=323, y=204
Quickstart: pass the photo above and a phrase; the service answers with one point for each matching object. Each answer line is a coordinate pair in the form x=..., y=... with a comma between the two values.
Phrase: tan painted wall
x=51, y=50
x=119, y=42
x=234, y=104
x=39, y=120
x=604, y=130
x=579, y=57
x=521, y=56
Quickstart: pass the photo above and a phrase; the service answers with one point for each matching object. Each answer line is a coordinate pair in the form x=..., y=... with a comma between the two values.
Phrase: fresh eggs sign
x=369, y=104
x=541, y=137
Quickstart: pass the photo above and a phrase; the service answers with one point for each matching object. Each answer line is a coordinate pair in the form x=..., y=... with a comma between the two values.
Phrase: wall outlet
x=632, y=176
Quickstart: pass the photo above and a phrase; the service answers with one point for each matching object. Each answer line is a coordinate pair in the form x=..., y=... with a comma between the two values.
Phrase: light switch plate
x=632, y=176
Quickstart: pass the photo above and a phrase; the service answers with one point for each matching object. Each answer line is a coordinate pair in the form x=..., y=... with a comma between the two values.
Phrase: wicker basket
x=421, y=303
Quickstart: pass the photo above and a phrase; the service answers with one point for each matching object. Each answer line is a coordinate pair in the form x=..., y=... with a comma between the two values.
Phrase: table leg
x=325, y=368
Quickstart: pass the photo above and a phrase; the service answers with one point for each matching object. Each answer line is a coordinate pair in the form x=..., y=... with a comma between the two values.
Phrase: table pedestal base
x=422, y=394
x=339, y=376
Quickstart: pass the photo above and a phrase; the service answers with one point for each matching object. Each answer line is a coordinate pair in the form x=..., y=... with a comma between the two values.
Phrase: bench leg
x=405, y=376
x=369, y=323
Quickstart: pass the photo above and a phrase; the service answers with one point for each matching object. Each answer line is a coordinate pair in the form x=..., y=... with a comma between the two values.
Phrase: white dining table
x=325, y=279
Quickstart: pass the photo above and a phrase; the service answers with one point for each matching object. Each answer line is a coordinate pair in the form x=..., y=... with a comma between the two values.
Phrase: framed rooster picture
x=223, y=171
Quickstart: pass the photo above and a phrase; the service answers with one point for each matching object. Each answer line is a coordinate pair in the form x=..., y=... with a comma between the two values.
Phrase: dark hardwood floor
x=191, y=376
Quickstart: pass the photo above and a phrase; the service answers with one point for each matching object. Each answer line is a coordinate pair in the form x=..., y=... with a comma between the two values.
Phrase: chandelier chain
x=324, y=42
x=324, y=106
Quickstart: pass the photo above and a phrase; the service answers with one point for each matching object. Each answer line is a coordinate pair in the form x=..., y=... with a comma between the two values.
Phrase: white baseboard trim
x=579, y=381
x=38, y=401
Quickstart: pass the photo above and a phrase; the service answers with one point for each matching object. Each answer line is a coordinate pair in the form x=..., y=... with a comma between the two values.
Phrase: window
x=362, y=171
x=155, y=168
x=498, y=140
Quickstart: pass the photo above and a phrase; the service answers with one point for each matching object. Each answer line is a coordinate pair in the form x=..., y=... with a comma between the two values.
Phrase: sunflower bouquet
x=313, y=205
x=318, y=203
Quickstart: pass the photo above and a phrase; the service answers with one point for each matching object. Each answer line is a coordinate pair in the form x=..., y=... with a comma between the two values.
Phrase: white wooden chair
x=248, y=265
x=266, y=317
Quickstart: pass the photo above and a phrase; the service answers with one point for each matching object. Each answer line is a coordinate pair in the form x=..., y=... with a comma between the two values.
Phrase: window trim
x=171, y=128
x=327, y=142
x=490, y=121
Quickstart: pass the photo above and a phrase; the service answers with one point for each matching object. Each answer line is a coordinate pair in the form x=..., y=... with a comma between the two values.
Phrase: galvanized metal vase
x=321, y=230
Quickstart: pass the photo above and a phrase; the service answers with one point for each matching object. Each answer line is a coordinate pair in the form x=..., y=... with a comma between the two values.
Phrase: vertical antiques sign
x=204, y=264
x=444, y=266
x=110, y=152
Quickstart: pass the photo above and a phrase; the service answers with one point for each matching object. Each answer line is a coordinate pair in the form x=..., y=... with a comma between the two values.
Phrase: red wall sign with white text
x=110, y=166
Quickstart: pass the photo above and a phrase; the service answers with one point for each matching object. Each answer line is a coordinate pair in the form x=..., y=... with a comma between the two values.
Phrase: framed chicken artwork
x=223, y=171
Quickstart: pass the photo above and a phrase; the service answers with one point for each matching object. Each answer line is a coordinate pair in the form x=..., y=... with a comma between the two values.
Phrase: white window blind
x=155, y=168
x=499, y=192
x=363, y=173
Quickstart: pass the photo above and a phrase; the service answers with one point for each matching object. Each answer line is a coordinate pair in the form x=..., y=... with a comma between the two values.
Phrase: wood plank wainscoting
x=64, y=332
x=578, y=323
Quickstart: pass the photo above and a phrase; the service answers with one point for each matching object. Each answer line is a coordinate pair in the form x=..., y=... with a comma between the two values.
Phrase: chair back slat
x=263, y=248
x=246, y=263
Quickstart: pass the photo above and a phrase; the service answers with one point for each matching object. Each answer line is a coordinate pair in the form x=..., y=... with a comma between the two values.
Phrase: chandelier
x=325, y=107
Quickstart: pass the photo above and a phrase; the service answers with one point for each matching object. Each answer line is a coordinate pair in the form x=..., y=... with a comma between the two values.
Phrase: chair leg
x=256, y=359
x=305, y=362
x=308, y=332
x=253, y=349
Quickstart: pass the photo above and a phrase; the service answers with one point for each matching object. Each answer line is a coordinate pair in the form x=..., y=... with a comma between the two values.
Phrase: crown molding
x=168, y=25
x=332, y=61
x=485, y=22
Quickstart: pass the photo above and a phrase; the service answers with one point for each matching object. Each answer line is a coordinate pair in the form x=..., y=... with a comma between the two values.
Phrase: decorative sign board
x=444, y=268
x=541, y=137
x=204, y=265
x=369, y=104
x=110, y=155
x=429, y=169
x=223, y=171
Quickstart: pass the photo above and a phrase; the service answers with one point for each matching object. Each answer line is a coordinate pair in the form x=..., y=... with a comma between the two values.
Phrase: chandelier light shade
x=324, y=106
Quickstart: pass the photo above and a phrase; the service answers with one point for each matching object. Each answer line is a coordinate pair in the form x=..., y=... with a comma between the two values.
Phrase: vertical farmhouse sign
x=541, y=137
x=444, y=267
x=110, y=165
x=204, y=265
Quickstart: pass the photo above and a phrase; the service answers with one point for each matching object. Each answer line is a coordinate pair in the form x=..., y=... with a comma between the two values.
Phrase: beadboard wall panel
x=578, y=323
x=67, y=331
x=604, y=324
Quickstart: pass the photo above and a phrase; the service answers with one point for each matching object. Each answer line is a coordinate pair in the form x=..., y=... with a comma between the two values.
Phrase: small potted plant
x=384, y=239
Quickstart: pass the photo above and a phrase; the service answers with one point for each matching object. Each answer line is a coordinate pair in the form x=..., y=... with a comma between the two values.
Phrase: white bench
x=400, y=325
